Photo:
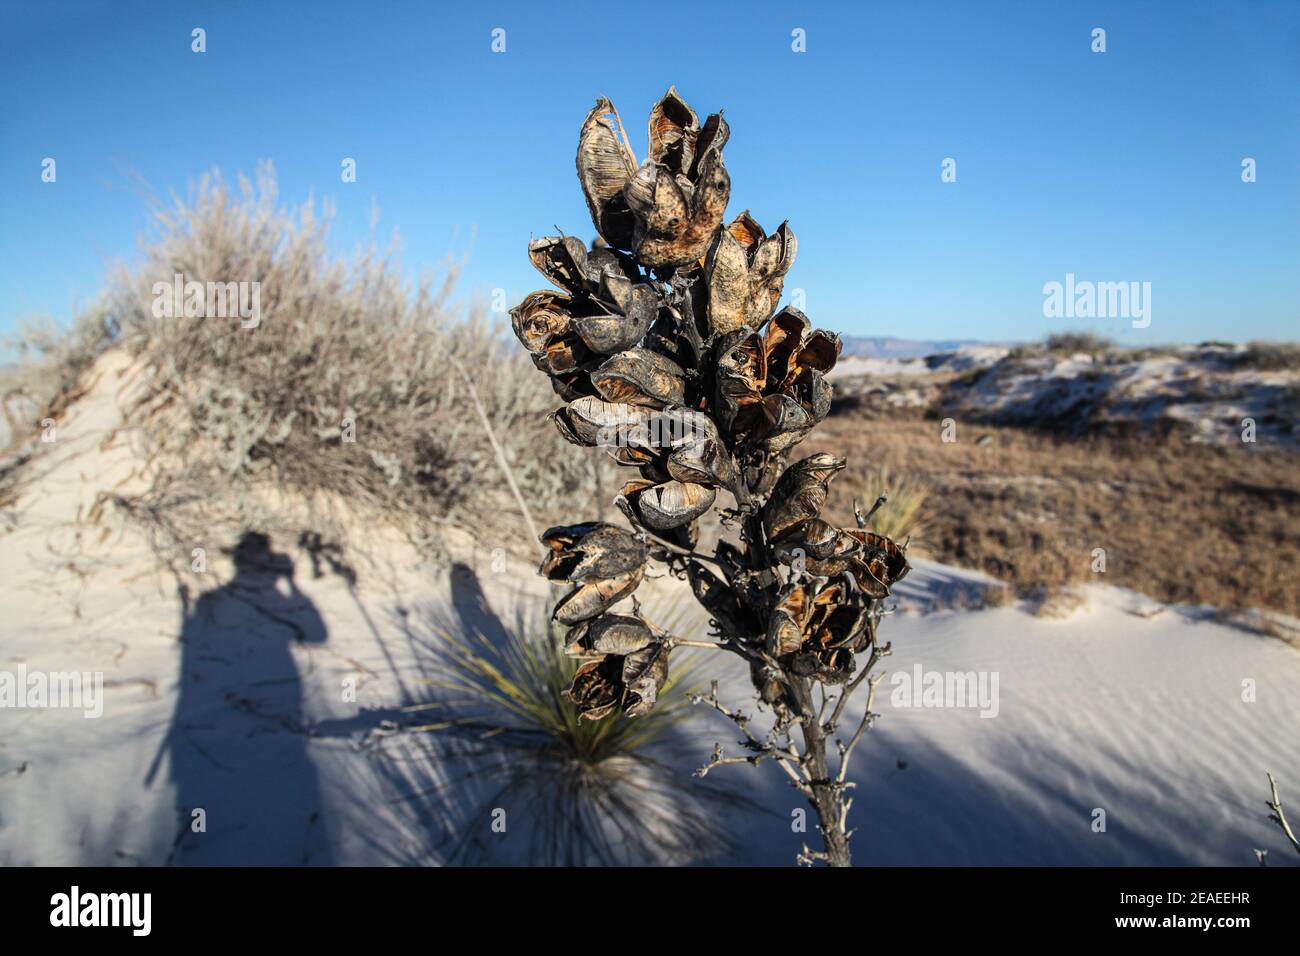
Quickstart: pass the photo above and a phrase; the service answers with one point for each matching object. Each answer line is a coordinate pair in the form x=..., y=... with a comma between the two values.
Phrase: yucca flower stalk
x=666, y=345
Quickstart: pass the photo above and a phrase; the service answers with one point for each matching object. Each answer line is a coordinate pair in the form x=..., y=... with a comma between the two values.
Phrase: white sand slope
x=237, y=703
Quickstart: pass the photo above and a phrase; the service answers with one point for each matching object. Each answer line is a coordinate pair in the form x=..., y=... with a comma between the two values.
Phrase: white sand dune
x=237, y=703
x=1207, y=390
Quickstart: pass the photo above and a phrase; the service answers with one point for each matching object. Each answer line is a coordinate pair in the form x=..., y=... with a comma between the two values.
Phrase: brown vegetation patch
x=1179, y=522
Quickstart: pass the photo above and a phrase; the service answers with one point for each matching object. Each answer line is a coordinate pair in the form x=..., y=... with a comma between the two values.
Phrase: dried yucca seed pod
x=605, y=164
x=605, y=263
x=739, y=379
x=835, y=621
x=745, y=271
x=672, y=227
x=818, y=543
x=563, y=260
x=542, y=318
x=593, y=549
x=798, y=359
x=772, y=389
x=597, y=688
x=699, y=456
x=785, y=628
x=829, y=666
x=726, y=270
x=875, y=562
x=782, y=339
x=785, y=422
x=609, y=634
x=628, y=682
x=596, y=596
x=564, y=356
x=641, y=377
x=590, y=422
x=882, y=560
x=815, y=618
x=687, y=441
x=607, y=331
x=674, y=127
x=605, y=560
x=567, y=263
x=793, y=348
x=820, y=352
x=800, y=493
x=709, y=143
x=662, y=506
x=644, y=674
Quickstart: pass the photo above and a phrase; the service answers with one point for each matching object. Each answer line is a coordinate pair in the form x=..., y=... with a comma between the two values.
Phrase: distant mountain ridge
x=887, y=346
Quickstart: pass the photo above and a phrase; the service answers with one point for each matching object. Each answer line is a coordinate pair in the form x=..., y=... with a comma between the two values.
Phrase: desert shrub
x=1144, y=353
x=353, y=385
x=52, y=360
x=1269, y=356
x=1072, y=342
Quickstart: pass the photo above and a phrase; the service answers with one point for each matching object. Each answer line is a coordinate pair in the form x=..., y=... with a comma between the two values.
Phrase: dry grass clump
x=998, y=595
x=903, y=514
x=354, y=387
x=1180, y=522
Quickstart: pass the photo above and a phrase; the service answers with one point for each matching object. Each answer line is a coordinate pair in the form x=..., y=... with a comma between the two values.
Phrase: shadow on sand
x=241, y=749
x=236, y=750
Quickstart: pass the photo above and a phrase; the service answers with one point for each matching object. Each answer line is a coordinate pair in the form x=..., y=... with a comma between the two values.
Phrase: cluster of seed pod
x=664, y=340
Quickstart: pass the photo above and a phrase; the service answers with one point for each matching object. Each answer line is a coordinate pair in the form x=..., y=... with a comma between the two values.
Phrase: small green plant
x=520, y=683
x=585, y=792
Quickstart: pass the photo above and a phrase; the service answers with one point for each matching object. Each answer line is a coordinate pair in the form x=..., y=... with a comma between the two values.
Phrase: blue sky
x=1118, y=166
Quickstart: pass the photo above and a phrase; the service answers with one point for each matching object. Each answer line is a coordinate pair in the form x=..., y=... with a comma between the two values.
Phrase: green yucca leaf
x=595, y=791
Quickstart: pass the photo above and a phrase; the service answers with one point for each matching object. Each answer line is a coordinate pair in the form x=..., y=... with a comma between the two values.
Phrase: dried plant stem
x=1279, y=816
x=868, y=718
x=499, y=452
x=826, y=792
x=760, y=750
x=686, y=552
